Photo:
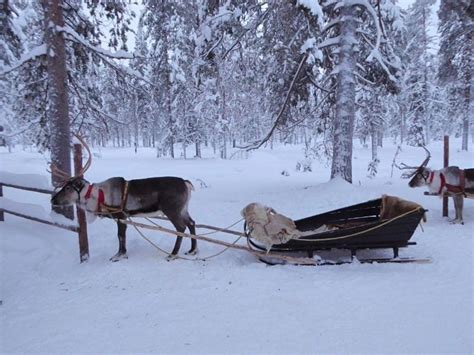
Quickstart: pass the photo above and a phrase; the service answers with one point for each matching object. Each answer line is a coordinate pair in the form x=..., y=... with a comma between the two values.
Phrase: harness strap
x=456, y=189
x=442, y=183
x=124, y=196
x=462, y=183
x=100, y=200
x=100, y=196
x=88, y=192
x=431, y=177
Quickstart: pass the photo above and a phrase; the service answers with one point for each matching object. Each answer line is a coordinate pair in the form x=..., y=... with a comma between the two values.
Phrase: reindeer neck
x=89, y=197
x=434, y=180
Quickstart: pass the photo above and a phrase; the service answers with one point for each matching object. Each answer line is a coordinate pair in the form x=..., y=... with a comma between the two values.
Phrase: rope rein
x=107, y=210
x=364, y=231
x=190, y=259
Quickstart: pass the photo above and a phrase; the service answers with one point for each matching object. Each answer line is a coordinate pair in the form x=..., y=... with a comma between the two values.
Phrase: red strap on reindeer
x=462, y=183
x=431, y=177
x=442, y=183
x=452, y=188
x=100, y=197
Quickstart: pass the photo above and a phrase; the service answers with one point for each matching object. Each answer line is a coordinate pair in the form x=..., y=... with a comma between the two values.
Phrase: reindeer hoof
x=171, y=257
x=118, y=257
x=192, y=252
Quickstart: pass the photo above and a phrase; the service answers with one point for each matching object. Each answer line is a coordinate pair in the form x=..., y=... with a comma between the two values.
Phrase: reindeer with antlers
x=118, y=198
x=452, y=180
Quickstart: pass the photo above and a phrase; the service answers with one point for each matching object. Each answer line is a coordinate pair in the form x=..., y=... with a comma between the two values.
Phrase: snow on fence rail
x=40, y=184
x=34, y=212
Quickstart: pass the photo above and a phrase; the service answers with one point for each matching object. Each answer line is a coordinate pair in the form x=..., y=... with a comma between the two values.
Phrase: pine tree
x=456, y=51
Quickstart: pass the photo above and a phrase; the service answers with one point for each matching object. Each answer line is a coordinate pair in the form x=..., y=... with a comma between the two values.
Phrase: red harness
x=451, y=188
x=100, y=197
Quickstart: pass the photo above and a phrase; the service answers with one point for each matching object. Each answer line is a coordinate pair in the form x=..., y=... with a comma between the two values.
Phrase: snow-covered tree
x=456, y=51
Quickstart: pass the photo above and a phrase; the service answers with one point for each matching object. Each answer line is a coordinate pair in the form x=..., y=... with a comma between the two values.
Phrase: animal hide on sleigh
x=269, y=227
x=393, y=206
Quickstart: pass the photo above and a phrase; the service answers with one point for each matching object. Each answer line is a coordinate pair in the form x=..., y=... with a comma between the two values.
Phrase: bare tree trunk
x=58, y=94
x=425, y=93
x=468, y=108
x=198, y=149
x=374, y=141
x=380, y=136
x=135, y=123
x=345, y=99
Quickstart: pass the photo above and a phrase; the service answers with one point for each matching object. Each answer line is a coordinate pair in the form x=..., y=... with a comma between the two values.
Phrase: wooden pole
x=81, y=215
x=295, y=260
x=446, y=164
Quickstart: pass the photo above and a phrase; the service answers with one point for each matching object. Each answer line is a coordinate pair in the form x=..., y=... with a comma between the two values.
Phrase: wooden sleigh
x=387, y=222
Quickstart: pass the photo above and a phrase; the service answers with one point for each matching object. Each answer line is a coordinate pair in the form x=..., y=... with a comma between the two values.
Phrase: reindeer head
x=418, y=175
x=70, y=191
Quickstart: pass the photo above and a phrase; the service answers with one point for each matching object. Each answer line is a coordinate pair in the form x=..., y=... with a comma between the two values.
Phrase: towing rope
x=182, y=257
x=289, y=259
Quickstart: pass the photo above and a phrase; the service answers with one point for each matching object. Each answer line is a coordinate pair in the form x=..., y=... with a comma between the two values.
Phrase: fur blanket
x=393, y=206
x=269, y=227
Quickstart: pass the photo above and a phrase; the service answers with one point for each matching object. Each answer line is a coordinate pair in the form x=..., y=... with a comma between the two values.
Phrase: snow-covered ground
x=233, y=303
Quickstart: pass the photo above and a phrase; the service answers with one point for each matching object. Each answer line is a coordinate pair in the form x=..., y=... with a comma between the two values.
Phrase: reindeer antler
x=58, y=173
x=89, y=158
x=64, y=176
x=414, y=169
x=427, y=159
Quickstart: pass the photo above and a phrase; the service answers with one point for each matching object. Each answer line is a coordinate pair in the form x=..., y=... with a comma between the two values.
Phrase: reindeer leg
x=180, y=226
x=458, y=207
x=177, y=245
x=192, y=229
x=122, y=252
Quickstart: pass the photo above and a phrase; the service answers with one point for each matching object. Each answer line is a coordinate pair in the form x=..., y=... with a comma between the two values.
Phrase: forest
x=235, y=75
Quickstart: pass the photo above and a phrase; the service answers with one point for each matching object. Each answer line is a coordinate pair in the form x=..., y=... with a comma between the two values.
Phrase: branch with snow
x=258, y=144
x=76, y=37
x=25, y=58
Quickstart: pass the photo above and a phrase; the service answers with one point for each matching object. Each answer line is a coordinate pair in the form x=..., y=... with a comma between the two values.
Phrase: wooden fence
x=80, y=228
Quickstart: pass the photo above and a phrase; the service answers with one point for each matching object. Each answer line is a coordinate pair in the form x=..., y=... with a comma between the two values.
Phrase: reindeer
x=118, y=198
x=452, y=180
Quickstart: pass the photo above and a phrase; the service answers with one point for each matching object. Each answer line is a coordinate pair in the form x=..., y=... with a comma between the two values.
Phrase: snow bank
x=26, y=180
x=34, y=211
x=232, y=303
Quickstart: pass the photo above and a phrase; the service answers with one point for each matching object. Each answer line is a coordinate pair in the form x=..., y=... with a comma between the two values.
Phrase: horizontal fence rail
x=81, y=229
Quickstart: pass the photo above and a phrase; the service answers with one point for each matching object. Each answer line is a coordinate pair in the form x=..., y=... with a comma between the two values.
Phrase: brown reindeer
x=118, y=198
x=453, y=181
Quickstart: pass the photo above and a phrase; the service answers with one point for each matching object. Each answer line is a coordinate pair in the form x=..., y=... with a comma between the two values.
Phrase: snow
x=315, y=9
x=308, y=44
x=32, y=54
x=35, y=211
x=233, y=304
x=27, y=180
x=119, y=54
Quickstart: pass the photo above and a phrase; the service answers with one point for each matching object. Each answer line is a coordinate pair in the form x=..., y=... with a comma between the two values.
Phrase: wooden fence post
x=2, y=218
x=446, y=164
x=81, y=215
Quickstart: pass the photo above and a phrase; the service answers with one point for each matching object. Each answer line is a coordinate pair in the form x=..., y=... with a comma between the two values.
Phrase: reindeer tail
x=189, y=185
